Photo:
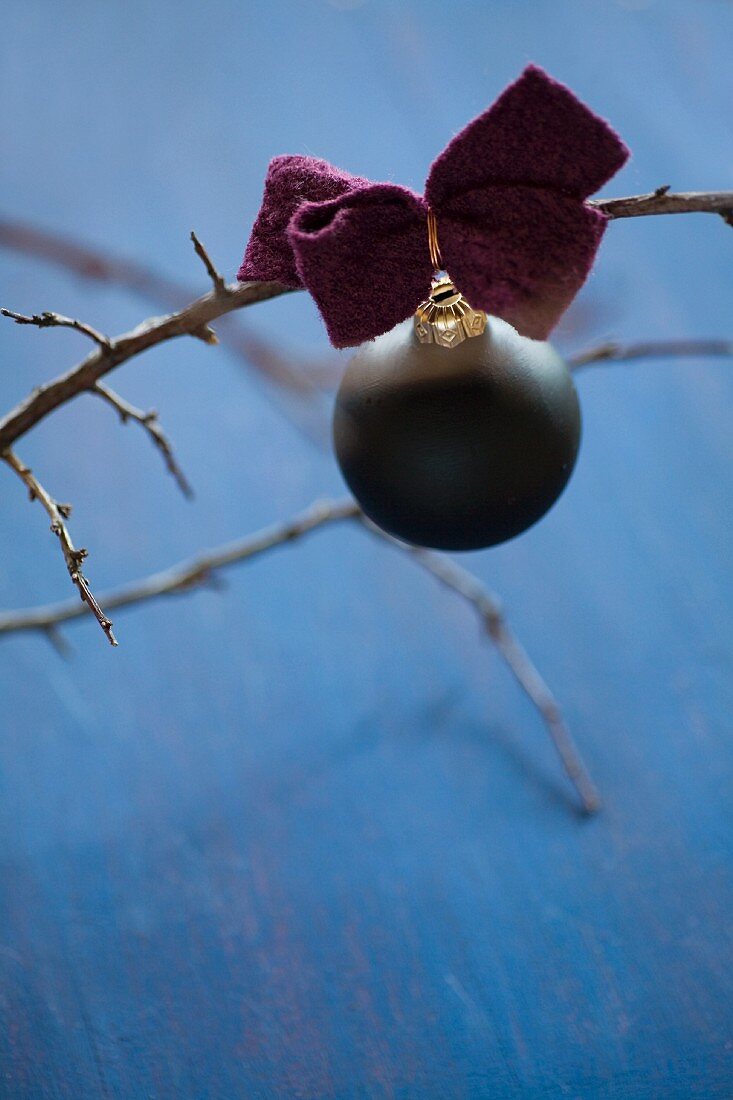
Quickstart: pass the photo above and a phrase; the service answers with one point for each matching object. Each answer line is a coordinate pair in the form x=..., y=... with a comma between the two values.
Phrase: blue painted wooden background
x=304, y=838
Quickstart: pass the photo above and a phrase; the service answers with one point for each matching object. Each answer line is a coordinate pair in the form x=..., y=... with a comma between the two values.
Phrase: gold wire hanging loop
x=445, y=318
x=435, y=258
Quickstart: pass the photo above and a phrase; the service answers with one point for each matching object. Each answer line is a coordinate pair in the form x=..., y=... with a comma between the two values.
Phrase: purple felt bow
x=507, y=192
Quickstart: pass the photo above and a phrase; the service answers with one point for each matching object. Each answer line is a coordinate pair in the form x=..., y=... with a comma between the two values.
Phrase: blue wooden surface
x=304, y=838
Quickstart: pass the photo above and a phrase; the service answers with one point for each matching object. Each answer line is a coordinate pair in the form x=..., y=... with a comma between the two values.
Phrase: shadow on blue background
x=304, y=838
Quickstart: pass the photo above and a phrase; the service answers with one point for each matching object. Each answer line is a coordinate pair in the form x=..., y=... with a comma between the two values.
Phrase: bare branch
x=195, y=320
x=150, y=423
x=614, y=352
x=187, y=321
x=93, y=264
x=58, y=514
x=189, y=574
x=57, y=320
x=488, y=609
x=205, y=568
x=216, y=277
x=664, y=201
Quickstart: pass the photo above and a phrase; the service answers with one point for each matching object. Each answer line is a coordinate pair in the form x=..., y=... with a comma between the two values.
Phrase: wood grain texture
x=303, y=838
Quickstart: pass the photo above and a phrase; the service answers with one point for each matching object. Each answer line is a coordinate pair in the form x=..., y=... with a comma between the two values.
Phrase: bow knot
x=507, y=193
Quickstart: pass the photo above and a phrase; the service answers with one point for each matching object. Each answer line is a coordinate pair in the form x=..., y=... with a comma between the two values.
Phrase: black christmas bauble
x=456, y=448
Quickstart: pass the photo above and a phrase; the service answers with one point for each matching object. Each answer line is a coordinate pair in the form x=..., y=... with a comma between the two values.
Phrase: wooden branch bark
x=58, y=514
x=302, y=379
x=195, y=318
x=150, y=423
x=186, y=575
x=665, y=201
x=525, y=672
x=204, y=568
x=192, y=320
x=211, y=270
x=57, y=320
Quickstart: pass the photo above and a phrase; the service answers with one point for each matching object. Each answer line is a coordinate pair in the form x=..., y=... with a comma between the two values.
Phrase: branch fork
x=195, y=320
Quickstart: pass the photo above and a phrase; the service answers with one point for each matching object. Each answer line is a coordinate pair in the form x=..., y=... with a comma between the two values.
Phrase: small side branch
x=57, y=320
x=614, y=352
x=205, y=569
x=149, y=422
x=192, y=320
x=187, y=575
x=216, y=277
x=58, y=514
x=101, y=266
x=492, y=620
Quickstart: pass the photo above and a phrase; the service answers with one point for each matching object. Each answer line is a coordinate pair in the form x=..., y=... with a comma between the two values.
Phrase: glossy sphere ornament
x=456, y=448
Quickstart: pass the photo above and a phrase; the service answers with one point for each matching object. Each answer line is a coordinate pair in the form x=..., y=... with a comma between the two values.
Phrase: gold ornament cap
x=446, y=318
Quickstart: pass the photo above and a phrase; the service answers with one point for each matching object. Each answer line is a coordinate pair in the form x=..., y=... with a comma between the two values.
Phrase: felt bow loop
x=508, y=196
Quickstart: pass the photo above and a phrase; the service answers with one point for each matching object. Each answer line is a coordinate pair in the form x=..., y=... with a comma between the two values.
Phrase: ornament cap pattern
x=446, y=318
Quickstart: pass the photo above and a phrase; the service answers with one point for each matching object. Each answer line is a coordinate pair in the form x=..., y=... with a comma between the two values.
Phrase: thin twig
x=150, y=423
x=189, y=321
x=58, y=514
x=95, y=265
x=91, y=264
x=216, y=277
x=664, y=201
x=488, y=609
x=57, y=320
x=614, y=352
x=204, y=568
x=189, y=574
x=194, y=320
